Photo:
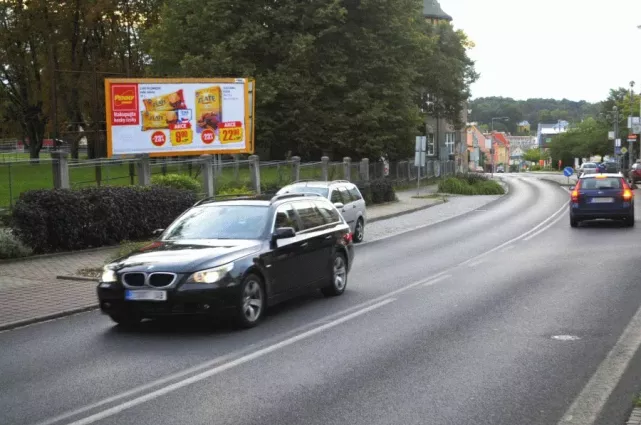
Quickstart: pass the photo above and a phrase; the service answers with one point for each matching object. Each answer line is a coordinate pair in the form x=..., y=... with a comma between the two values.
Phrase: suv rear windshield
x=604, y=183
x=323, y=191
x=589, y=165
x=219, y=222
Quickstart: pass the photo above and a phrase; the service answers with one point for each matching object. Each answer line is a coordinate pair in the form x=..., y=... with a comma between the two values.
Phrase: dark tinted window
x=347, y=198
x=309, y=214
x=356, y=194
x=220, y=222
x=336, y=197
x=328, y=212
x=604, y=183
x=286, y=217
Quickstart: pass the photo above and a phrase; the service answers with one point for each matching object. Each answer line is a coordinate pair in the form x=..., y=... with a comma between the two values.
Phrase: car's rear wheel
x=359, y=231
x=338, y=280
x=574, y=222
x=126, y=320
x=251, y=308
x=629, y=222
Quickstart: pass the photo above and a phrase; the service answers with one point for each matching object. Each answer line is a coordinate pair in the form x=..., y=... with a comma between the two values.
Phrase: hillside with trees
x=532, y=110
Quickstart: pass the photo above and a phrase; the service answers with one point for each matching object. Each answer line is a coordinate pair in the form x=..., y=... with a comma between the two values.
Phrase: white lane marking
x=477, y=262
x=223, y=367
x=436, y=280
x=504, y=244
x=589, y=403
x=507, y=248
x=224, y=358
x=546, y=227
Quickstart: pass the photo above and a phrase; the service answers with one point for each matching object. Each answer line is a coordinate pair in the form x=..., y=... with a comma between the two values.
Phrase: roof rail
x=340, y=181
x=223, y=198
x=293, y=195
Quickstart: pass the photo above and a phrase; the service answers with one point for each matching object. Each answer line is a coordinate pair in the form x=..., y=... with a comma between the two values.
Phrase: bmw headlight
x=108, y=275
x=211, y=275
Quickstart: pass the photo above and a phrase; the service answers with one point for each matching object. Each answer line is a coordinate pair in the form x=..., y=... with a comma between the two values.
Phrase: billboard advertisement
x=173, y=117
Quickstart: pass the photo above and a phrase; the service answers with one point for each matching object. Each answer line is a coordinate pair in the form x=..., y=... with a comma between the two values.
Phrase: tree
x=335, y=77
x=588, y=138
x=535, y=155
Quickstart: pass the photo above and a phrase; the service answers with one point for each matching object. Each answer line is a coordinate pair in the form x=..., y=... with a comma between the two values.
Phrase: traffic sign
x=632, y=138
x=624, y=150
x=617, y=150
x=568, y=171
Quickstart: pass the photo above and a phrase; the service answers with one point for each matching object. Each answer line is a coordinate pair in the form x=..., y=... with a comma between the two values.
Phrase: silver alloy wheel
x=252, y=301
x=358, y=232
x=340, y=273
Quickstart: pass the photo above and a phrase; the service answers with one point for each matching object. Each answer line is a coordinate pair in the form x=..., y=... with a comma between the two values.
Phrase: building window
x=449, y=142
x=431, y=149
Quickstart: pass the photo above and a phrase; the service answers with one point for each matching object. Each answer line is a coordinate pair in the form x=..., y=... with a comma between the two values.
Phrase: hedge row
x=63, y=220
x=470, y=184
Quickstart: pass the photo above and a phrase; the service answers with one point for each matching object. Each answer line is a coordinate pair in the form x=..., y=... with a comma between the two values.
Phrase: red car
x=635, y=173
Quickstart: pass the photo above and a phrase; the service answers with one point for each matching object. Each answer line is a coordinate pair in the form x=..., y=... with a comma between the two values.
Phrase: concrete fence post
x=347, y=168
x=207, y=170
x=60, y=170
x=254, y=172
x=295, y=168
x=325, y=167
x=144, y=170
x=236, y=167
x=364, y=169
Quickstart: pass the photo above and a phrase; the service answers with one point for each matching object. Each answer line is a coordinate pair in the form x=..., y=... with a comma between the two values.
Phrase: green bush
x=378, y=191
x=234, y=191
x=11, y=246
x=464, y=186
x=63, y=220
x=177, y=181
x=535, y=167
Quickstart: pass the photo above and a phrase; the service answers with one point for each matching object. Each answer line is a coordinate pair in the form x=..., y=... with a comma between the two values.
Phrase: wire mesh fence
x=19, y=176
x=96, y=173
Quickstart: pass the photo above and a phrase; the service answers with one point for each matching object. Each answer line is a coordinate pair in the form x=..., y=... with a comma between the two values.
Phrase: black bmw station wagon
x=236, y=256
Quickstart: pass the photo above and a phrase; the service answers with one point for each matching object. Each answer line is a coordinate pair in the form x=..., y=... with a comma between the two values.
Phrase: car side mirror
x=157, y=232
x=284, y=233
x=339, y=205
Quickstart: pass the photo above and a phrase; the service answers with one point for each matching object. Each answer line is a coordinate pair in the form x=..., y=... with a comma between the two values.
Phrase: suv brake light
x=627, y=193
x=347, y=238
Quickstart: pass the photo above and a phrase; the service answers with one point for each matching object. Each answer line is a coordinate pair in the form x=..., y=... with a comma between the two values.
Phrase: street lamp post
x=630, y=146
x=492, y=149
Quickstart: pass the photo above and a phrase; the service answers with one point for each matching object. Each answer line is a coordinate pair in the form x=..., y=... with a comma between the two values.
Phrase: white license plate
x=602, y=200
x=145, y=295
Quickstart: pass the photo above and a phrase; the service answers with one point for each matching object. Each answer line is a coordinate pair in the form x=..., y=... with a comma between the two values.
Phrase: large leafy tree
x=335, y=77
x=589, y=137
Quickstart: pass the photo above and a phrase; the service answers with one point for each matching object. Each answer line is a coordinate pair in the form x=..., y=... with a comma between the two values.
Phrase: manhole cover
x=566, y=337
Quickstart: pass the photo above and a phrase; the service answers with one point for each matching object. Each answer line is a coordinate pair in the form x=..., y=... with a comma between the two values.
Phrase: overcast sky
x=574, y=49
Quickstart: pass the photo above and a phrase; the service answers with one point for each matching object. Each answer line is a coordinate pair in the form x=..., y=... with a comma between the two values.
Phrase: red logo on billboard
x=124, y=104
x=158, y=138
x=207, y=136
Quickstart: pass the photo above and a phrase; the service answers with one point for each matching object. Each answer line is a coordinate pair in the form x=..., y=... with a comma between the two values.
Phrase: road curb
x=77, y=278
x=57, y=254
x=39, y=319
x=400, y=213
x=635, y=417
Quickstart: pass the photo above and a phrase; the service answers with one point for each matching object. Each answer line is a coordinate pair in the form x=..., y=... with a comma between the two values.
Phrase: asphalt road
x=449, y=324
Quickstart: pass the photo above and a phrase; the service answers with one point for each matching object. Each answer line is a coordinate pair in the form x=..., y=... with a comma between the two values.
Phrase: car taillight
x=347, y=238
x=627, y=194
x=575, y=192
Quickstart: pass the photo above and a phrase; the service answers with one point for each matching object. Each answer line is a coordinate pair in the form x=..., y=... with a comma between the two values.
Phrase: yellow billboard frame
x=250, y=111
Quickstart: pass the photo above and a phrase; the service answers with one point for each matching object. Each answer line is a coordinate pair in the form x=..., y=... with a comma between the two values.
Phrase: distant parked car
x=635, y=173
x=344, y=195
x=500, y=169
x=587, y=168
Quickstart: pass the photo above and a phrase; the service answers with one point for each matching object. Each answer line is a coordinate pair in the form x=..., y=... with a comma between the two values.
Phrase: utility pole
x=630, y=146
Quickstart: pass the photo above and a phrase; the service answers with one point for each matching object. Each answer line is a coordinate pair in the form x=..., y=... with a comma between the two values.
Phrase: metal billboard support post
x=419, y=159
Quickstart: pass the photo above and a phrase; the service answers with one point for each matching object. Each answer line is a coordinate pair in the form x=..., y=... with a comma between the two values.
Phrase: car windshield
x=589, y=165
x=324, y=191
x=606, y=183
x=219, y=222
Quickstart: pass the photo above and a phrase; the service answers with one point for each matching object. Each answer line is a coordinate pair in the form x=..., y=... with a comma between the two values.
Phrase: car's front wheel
x=252, y=304
x=338, y=280
x=359, y=231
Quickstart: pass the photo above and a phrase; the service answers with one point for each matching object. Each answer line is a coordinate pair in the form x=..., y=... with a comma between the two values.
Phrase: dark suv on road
x=237, y=256
x=601, y=196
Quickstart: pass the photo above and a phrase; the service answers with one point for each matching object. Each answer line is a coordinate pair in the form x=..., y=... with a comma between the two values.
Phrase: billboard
x=173, y=117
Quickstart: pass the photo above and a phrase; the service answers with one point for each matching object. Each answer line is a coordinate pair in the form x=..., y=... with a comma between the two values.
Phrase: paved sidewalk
x=31, y=291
